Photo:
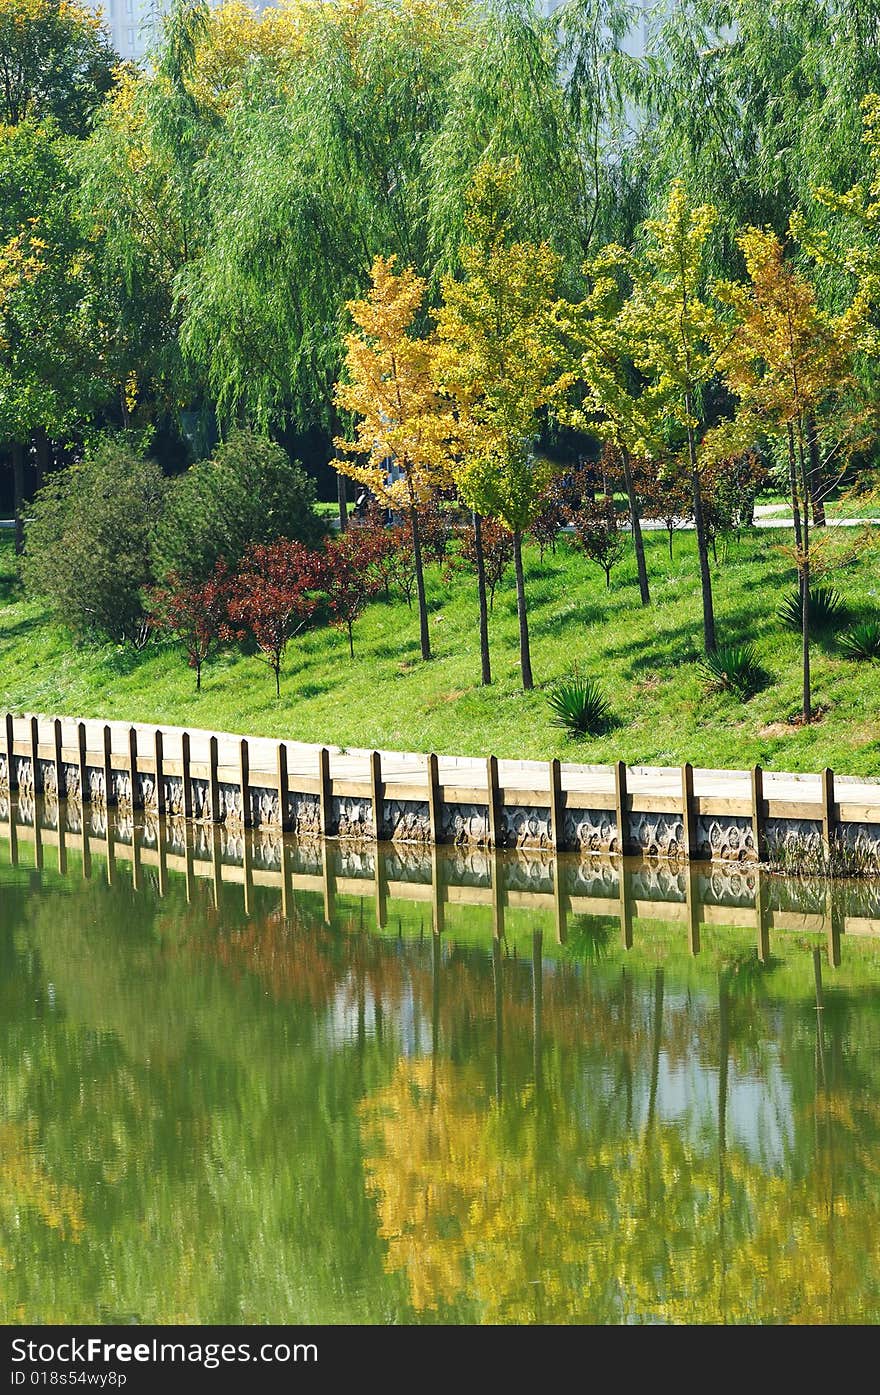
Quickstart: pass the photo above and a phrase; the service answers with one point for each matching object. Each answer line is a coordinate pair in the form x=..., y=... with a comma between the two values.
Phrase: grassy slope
x=387, y=698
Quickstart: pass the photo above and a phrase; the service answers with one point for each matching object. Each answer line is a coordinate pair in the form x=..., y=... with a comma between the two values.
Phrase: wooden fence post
x=109, y=791
x=377, y=794
x=213, y=781
x=827, y=807
x=620, y=805
x=11, y=771
x=435, y=826
x=186, y=777
x=492, y=799
x=35, y=757
x=83, y=767
x=325, y=792
x=758, y=812
x=557, y=813
x=136, y=800
x=60, y=783
x=283, y=788
x=158, y=749
x=244, y=773
x=688, y=815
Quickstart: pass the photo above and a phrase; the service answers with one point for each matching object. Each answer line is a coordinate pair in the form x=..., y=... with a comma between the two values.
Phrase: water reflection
x=256, y=1081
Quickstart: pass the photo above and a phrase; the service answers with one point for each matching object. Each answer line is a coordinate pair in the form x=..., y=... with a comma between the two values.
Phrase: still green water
x=213, y=1111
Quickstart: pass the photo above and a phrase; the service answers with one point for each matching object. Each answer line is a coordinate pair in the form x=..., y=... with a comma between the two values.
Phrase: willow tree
x=674, y=334
x=499, y=362
x=390, y=391
x=788, y=360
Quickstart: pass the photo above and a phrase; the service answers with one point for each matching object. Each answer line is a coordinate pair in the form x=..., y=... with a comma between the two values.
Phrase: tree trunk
x=792, y=479
x=671, y=553
x=351, y=639
x=18, y=494
x=342, y=502
x=525, y=657
x=277, y=668
x=816, y=495
x=709, y=643
x=41, y=456
x=420, y=583
x=485, y=665
x=198, y=675
x=636, y=526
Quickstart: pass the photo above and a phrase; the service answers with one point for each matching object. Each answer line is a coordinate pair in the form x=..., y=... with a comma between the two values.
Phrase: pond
x=247, y=1080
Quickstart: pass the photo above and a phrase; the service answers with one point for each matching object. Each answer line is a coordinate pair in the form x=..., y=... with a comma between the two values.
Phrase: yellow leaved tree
x=399, y=450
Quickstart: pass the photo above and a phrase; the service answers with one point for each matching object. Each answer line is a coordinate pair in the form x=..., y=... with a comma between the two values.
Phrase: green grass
x=646, y=661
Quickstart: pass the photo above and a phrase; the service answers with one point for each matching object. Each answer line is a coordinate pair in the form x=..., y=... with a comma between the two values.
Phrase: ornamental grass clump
x=579, y=706
x=862, y=641
x=826, y=608
x=733, y=668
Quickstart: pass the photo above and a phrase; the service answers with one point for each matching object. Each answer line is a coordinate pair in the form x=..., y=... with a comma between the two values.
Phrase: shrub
x=862, y=641
x=272, y=598
x=733, y=668
x=249, y=491
x=826, y=607
x=87, y=547
x=579, y=705
x=195, y=613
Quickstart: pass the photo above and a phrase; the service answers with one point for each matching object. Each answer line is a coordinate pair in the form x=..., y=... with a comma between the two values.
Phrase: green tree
x=56, y=62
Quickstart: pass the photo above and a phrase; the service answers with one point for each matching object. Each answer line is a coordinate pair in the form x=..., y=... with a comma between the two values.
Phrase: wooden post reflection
x=62, y=841
x=13, y=835
x=692, y=897
x=624, y=883
x=286, y=888
x=820, y=1015
x=497, y=897
x=109, y=853
x=497, y=964
x=436, y=965
x=437, y=915
x=380, y=887
x=188, y=859
x=834, y=920
x=537, y=1004
x=38, y=837
x=327, y=878
x=559, y=901
x=84, y=843
x=247, y=854
x=216, y=865
x=762, y=916
x=135, y=855
x=161, y=855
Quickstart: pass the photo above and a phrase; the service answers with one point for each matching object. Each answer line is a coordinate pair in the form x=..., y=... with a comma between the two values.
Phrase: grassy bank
x=387, y=698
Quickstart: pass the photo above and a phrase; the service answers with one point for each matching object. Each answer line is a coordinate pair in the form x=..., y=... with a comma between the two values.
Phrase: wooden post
x=758, y=812
x=325, y=791
x=283, y=788
x=244, y=773
x=557, y=812
x=492, y=799
x=213, y=781
x=158, y=750
x=12, y=774
x=688, y=816
x=186, y=776
x=435, y=824
x=376, y=793
x=109, y=791
x=60, y=784
x=827, y=807
x=620, y=804
x=35, y=758
x=136, y=800
x=83, y=767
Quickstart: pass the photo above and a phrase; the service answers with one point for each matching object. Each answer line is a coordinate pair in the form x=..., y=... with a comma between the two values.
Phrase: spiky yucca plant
x=579, y=705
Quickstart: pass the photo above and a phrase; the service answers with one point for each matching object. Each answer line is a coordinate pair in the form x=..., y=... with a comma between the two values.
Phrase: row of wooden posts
x=154, y=761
